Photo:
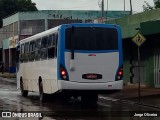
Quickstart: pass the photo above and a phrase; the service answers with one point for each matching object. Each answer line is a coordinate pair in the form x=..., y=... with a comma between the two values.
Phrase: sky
x=90, y=4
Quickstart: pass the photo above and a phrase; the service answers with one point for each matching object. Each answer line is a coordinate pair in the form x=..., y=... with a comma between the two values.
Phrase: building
x=147, y=23
x=24, y=24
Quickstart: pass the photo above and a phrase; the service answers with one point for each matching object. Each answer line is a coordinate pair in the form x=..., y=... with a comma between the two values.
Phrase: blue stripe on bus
x=120, y=46
x=61, y=54
x=120, y=49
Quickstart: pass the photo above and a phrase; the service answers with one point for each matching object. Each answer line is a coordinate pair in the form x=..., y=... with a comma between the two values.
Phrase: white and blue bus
x=80, y=59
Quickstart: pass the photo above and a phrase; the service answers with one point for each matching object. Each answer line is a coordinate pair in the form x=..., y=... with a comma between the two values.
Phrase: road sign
x=139, y=39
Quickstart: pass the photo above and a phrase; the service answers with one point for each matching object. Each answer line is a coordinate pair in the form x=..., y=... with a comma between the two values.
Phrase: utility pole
x=107, y=12
x=131, y=7
x=102, y=8
x=107, y=5
x=124, y=5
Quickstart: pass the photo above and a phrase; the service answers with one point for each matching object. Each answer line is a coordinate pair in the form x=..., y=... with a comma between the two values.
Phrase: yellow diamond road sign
x=139, y=39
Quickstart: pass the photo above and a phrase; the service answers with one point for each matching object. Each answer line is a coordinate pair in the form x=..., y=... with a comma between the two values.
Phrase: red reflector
x=120, y=73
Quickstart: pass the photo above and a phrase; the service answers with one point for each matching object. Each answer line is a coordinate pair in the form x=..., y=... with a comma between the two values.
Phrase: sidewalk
x=12, y=80
x=131, y=91
x=149, y=96
x=8, y=75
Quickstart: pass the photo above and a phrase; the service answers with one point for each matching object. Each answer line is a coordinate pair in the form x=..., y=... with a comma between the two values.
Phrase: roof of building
x=62, y=14
x=147, y=22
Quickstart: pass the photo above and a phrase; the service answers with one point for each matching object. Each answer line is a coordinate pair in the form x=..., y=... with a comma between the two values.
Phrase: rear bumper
x=67, y=85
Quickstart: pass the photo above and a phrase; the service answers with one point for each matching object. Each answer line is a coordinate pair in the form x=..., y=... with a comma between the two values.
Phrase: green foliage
x=157, y=3
x=147, y=7
x=9, y=7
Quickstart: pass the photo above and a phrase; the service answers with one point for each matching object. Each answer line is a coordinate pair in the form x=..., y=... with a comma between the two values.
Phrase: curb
x=8, y=80
x=124, y=100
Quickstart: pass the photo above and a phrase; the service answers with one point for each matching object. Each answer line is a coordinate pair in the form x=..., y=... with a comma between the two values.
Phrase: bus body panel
x=67, y=85
x=46, y=69
x=105, y=64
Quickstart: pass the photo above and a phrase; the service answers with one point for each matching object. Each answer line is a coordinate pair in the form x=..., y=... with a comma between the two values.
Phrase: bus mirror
x=56, y=36
x=17, y=53
x=18, y=49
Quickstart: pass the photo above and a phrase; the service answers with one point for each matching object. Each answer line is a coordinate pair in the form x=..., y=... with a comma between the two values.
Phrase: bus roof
x=40, y=34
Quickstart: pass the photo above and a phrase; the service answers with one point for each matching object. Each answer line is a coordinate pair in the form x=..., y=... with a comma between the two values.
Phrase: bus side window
x=44, y=43
x=17, y=53
x=37, y=49
x=56, y=44
x=26, y=52
x=51, y=46
x=31, y=50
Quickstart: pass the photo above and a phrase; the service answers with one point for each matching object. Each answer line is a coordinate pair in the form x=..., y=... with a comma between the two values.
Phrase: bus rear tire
x=24, y=93
x=42, y=96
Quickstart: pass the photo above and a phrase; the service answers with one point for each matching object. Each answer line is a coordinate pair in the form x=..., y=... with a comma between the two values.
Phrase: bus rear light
x=119, y=75
x=63, y=73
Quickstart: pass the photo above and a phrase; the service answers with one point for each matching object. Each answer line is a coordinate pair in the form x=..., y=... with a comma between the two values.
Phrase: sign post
x=139, y=39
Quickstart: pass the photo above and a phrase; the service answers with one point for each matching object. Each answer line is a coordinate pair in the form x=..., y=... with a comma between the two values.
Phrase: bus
x=80, y=59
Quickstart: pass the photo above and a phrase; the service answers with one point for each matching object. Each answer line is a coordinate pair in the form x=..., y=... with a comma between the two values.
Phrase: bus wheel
x=24, y=93
x=41, y=93
x=89, y=98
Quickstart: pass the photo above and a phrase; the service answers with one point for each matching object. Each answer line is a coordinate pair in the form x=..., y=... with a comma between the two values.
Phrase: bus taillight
x=63, y=73
x=119, y=75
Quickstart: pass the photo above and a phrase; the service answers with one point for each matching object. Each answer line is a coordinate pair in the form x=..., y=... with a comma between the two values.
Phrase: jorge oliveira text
x=145, y=114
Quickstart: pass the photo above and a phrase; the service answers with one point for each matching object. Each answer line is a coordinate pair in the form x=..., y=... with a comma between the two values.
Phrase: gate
x=157, y=68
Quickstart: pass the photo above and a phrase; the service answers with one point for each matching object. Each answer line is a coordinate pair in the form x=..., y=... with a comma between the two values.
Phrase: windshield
x=91, y=38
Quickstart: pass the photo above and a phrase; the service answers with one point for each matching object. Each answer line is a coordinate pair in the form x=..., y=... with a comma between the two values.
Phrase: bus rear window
x=91, y=38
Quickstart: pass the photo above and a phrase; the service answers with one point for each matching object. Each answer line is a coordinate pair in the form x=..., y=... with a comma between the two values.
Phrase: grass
x=8, y=75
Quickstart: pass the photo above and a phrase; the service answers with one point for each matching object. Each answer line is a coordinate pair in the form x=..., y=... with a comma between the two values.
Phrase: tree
x=157, y=3
x=8, y=7
x=148, y=7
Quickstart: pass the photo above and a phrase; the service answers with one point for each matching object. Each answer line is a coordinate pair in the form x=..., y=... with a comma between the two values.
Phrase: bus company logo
x=6, y=114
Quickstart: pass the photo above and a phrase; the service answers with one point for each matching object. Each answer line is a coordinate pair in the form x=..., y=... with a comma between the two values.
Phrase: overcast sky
x=89, y=4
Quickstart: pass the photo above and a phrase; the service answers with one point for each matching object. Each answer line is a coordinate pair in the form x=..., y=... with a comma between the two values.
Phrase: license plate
x=92, y=76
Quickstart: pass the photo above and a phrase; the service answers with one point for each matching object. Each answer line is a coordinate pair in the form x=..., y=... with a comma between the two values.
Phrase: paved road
x=11, y=100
